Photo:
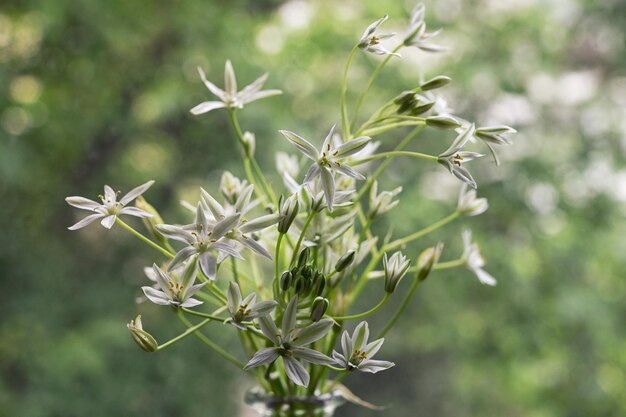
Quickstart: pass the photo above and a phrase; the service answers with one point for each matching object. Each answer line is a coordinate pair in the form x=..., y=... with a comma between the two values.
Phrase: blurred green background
x=99, y=92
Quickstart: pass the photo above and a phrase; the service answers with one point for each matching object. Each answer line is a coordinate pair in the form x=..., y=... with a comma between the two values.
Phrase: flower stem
x=345, y=124
x=370, y=82
x=385, y=164
x=296, y=249
x=143, y=238
x=403, y=305
x=204, y=315
x=183, y=335
x=399, y=242
x=365, y=313
x=212, y=345
x=394, y=153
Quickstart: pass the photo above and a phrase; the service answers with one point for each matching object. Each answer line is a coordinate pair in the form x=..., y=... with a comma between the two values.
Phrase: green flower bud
x=288, y=212
x=320, y=284
x=427, y=259
x=143, y=339
x=304, y=257
x=435, y=83
x=443, y=122
x=318, y=309
x=405, y=101
x=285, y=281
x=299, y=284
x=249, y=140
x=345, y=261
x=422, y=107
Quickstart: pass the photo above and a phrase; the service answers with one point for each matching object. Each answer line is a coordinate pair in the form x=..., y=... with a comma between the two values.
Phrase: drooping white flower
x=229, y=97
x=370, y=41
x=416, y=34
x=289, y=342
x=247, y=309
x=358, y=353
x=454, y=157
x=469, y=204
x=474, y=260
x=110, y=207
x=175, y=289
x=328, y=160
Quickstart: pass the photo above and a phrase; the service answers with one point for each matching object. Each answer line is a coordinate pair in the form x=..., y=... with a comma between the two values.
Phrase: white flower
x=469, y=204
x=231, y=187
x=358, y=353
x=453, y=157
x=175, y=289
x=287, y=164
x=395, y=268
x=383, y=202
x=417, y=35
x=370, y=42
x=110, y=207
x=245, y=309
x=328, y=160
x=203, y=238
x=289, y=344
x=230, y=97
x=474, y=260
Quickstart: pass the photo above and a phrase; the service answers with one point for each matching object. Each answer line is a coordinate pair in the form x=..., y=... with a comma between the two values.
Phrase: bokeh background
x=99, y=92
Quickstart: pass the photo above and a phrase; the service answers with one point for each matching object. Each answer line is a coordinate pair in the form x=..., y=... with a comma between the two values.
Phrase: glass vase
x=270, y=405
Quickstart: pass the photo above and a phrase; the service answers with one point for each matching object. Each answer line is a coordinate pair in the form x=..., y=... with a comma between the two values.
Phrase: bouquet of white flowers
x=295, y=322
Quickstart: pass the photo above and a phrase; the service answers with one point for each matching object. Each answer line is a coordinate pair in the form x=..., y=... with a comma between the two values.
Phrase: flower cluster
x=304, y=247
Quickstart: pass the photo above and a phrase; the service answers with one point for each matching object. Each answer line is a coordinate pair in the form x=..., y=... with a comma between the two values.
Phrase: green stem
x=390, y=126
x=296, y=249
x=383, y=166
x=450, y=264
x=345, y=125
x=143, y=238
x=249, y=159
x=183, y=335
x=394, y=153
x=204, y=315
x=276, y=286
x=365, y=313
x=405, y=303
x=399, y=242
x=370, y=82
x=212, y=345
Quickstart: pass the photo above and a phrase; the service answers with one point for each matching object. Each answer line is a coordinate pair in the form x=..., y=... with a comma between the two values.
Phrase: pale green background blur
x=99, y=92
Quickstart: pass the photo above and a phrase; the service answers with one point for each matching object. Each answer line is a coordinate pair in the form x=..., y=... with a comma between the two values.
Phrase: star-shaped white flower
x=358, y=353
x=474, y=260
x=110, y=207
x=289, y=344
x=229, y=97
x=246, y=309
x=417, y=35
x=370, y=41
x=327, y=160
x=175, y=289
x=454, y=157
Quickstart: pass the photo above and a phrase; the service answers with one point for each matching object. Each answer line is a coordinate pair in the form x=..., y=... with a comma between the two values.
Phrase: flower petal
x=82, y=203
x=230, y=81
x=108, y=221
x=87, y=220
x=217, y=92
x=181, y=256
x=302, y=144
x=312, y=356
x=373, y=367
x=295, y=371
x=352, y=147
x=156, y=296
x=269, y=329
x=262, y=357
x=206, y=107
x=136, y=192
x=328, y=185
x=134, y=211
x=208, y=265
x=313, y=332
x=254, y=246
x=289, y=318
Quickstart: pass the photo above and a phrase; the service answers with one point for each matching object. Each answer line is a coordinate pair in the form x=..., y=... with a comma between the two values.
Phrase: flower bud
x=318, y=309
x=435, y=83
x=249, y=141
x=427, y=259
x=320, y=283
x=405, y=101
x=288, y=212
x=495, y=134
x=303, y=257
x=285, y=281
x=345, y=261
x=395, y=268
x=422, y=107
x=442, y=122
x=143, y=339
x=151, y=222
